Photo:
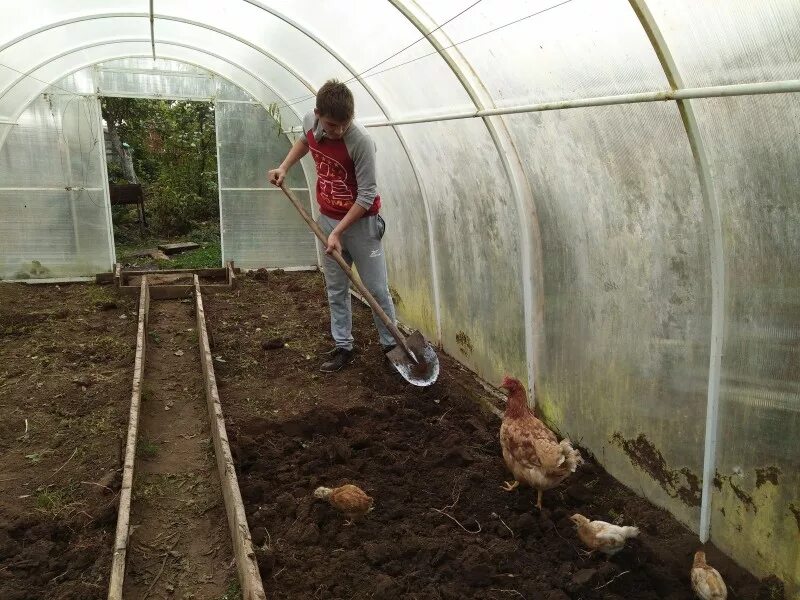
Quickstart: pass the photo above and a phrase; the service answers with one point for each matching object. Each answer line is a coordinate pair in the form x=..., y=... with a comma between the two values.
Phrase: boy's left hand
x=334, y=242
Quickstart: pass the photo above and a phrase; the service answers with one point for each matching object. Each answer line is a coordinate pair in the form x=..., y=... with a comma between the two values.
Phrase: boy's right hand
x=276, y=176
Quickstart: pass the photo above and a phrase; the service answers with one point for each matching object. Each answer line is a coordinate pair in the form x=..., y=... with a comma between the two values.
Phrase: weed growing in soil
x=35, y=457
x=146, y=448
x=233, y=592
x=101, y=296
x=53, y=501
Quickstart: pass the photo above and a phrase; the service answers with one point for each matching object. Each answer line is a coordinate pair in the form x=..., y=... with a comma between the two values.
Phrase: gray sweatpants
x=361, y=243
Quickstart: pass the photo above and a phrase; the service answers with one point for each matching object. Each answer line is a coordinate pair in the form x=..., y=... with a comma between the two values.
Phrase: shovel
x=413, y=357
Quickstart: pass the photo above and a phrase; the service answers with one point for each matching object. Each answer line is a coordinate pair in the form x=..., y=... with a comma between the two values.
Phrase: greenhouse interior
x=624, y=242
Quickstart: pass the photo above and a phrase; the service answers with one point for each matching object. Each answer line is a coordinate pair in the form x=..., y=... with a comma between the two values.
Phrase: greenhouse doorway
x=162, y=173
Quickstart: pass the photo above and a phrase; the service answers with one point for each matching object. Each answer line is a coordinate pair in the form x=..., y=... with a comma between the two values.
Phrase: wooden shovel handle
x=401, y=340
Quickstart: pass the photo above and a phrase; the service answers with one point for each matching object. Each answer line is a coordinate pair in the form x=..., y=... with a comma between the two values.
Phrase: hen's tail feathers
x=572, y=457
x=630, y=532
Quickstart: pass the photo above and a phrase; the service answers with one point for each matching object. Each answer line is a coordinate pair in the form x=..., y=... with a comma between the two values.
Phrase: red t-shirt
x=345, y=170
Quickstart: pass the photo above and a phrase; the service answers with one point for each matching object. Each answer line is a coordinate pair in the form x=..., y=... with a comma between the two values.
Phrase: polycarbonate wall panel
x=54, y=215
x=229, y=91
x=250, y=143
x=173, y=85
x=80, y=82
x=735, y=41
x=34, y=155
x=406, y=240
x=627, y=291
x=753, y=145
x=55, y=144
x=144, y=77
x=148, y=64
x=51, y=233
x=263, y=229
x=260, y=228
x=535, y=60
x=476, y=234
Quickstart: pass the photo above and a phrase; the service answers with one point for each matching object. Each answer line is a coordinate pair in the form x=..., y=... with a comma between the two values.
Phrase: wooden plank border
x=246, y=564
x=124, y=512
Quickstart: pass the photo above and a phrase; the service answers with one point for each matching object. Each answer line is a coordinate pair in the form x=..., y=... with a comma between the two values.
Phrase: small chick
x=348, y=499
x=605, y=537
x=707, y=583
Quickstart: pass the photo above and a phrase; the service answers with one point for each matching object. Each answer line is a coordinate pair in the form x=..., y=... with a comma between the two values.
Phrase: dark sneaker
x=334, y=350
x=340, y=358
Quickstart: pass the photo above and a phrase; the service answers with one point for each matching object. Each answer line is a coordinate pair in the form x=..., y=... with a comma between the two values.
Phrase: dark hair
x=335, y=101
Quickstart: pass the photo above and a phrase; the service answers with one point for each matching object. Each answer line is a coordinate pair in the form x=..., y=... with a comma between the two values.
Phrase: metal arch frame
x=530, y=235
x=44, y=63
x=198, y=24
x=138, y=55
x=411, y=161
x=711, y=211
x=178, y=44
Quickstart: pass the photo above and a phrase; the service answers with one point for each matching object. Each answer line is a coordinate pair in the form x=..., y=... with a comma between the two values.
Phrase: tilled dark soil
x=442, y=526
x=66, y=362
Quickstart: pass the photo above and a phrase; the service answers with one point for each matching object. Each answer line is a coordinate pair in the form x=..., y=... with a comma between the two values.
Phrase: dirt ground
x=66, y=363
x=442, y=526
x=180, y=545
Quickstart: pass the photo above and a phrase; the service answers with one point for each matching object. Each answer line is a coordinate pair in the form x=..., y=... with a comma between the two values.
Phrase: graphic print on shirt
x=332, y=180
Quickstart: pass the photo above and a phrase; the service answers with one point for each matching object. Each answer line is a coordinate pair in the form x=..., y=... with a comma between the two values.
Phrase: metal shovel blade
x=422, y=373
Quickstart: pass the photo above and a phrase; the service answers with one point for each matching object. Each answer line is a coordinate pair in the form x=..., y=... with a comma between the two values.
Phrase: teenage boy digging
x=349, y=203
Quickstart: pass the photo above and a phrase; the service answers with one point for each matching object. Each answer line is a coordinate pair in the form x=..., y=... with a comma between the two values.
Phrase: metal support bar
x=152, y=31
x=718, y=91
x=713, y=221
x=104, y=171
x=219, y=186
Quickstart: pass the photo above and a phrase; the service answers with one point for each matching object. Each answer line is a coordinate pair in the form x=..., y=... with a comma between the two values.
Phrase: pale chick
x=532, y=452
x=348, y=499
x=707, y=583
x=601, y=536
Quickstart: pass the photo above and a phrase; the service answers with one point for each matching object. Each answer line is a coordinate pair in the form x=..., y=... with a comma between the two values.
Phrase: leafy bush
x=168, y=210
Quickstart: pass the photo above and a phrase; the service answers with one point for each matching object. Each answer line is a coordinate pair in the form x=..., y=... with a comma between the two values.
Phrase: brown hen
x=601, y=536
x=348, y=499
x=532, y=452
x=707, y=583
